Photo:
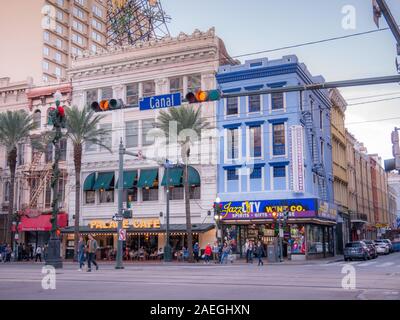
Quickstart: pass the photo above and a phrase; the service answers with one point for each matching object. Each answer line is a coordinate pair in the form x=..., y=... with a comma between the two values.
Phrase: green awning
x=129, y=179
x=175, y=177
x=89, y=182
x=194, y=177
x=104, y=180
x=147, y=178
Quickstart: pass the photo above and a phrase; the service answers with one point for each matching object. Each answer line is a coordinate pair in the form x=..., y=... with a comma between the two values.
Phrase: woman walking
x=260, y=253
x=207, y=253
x=81, y=252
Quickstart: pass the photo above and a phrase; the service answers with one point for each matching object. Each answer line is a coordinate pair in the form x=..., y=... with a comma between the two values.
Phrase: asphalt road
x=374, y=279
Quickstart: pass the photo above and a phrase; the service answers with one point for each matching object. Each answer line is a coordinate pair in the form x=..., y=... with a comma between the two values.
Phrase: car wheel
x=346, y=259
x=365, y=257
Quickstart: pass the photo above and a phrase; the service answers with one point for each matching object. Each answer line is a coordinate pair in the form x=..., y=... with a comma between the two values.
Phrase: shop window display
x=314, y=239
x=297, y=240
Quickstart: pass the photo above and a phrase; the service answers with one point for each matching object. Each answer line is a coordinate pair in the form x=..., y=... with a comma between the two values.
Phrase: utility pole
x=383, y=8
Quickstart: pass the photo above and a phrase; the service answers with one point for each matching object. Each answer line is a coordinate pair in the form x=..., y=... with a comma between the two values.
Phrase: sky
x=248, y=26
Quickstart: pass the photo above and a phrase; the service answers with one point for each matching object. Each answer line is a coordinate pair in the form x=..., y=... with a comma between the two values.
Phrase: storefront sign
x=297, y=157
x=134, y=223
x=327, y=211
x=296, y=208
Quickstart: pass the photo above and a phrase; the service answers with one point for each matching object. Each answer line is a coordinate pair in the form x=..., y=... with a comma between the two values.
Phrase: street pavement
x=323, y=279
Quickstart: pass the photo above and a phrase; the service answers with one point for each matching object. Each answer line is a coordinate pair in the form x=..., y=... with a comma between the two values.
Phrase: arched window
x=7, y=191
x=37, y=119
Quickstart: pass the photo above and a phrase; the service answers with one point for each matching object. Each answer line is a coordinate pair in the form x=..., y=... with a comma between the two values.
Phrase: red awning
x=42, y=222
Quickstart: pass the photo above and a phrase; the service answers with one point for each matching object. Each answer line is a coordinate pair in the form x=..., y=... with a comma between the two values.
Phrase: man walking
x=251, y=251
x=215, y=251
x=260, y=253
x=196, y=249
x=81, y=252
x=246, y=250
x=38, y=254
x=91, y=248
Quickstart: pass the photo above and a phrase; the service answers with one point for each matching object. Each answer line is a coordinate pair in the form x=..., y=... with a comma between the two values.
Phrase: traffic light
x=203, y=96
x=106, y=105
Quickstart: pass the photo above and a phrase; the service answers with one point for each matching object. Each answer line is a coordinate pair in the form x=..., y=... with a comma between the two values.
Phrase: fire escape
x=318, y=167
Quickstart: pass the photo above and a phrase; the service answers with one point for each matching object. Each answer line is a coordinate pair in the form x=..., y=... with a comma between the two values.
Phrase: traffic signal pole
x=119, y=215
x=384, y=8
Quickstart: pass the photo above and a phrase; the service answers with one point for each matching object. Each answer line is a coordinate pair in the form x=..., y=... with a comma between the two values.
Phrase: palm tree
x=15, y=127
x=82, y=127
x=186, y=118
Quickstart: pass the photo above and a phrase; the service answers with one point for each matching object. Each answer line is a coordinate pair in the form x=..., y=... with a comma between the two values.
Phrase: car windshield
x=353, y=244
x=368, y=242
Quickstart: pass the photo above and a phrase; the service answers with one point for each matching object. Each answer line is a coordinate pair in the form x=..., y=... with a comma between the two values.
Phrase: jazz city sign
x=263, y=209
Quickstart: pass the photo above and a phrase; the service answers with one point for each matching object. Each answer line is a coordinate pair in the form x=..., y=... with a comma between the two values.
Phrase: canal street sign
x=160, y=102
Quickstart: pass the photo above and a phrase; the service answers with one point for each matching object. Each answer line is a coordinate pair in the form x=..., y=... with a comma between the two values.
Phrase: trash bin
x=272, y=253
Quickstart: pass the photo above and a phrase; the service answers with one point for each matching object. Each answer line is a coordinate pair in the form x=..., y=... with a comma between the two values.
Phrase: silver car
x=382, y=247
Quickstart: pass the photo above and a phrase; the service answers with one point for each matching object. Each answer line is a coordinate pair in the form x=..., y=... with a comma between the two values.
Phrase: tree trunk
x=187, y=201
x=12, y=163
x=78, y=164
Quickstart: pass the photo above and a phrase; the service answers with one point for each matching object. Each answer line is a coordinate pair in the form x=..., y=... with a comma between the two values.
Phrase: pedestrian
x=207, y=253
x=247, y=250
x=251, y=251
x=31, y=251
x=215, y=251
x=196, y=249
x=8, y=253
x=81, y=252
x=19, y=252
x=45, y=249
x=260, y=253
x=91, y=252
x=38, y=254
x=225, y=253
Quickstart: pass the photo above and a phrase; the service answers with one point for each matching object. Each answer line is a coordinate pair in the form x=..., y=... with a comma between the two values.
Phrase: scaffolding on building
x=130, y=21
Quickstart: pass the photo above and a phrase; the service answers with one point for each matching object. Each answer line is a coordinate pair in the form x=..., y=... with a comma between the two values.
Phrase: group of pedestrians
x=87, y=251
x=5, y=252
x=219, y=253
x=23, y=252
x=254, y=250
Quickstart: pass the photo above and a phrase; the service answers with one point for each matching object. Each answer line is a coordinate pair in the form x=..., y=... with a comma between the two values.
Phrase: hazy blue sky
x=254, y=25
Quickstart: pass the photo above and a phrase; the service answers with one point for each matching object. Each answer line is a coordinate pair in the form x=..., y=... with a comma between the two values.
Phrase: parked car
x=373, y=253
x=382, y=247
x=356, y=250
x=390, y=244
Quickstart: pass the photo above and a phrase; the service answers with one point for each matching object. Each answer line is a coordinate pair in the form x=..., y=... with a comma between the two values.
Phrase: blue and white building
x=275, y=155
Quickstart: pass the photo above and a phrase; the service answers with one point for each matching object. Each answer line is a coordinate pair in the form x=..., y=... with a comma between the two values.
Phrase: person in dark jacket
x=196, y=250
x=260, y=253
x=81, y=253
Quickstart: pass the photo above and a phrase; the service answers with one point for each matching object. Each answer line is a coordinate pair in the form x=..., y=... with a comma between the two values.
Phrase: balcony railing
x=360, y=217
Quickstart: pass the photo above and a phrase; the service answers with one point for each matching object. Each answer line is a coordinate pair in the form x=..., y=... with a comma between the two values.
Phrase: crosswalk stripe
x=386, y=264
x=366, y=264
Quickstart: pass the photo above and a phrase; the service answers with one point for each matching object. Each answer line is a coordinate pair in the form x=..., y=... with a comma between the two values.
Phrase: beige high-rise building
x=40, y=37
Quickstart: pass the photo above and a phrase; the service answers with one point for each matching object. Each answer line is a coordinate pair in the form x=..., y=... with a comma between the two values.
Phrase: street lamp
x=15, y=223
x=217, y=217
x=57, y=115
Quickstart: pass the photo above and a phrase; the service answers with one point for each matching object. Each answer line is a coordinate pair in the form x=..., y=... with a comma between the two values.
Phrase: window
x=176, y=85
x=96, y=36
x=45, y=79
x=106, y=93
x=78, y=13
x=57, y=71
x=320, y=118
x=255, y=142
x=256, y=173
x=45, y=65
x=90, y=197
x=177, y=193
x=96, y=24
x=93, y=48
x=233, y=143
x=106, y=196
x=195, y=192
x=147, y=125
x=91, y=96
x=47, y=199
x=231, y=106
x=81, y=2
x=322, y=151
x=149, y=88
x=132, y=134
x=232, y=175
x=77, y=39
x=279, y=172
x=97, y=11
x=21, y=152
x=59, y=43
x=78, y=26
x=46, y=51
x=37, y=119
x=60, y=3
x=58, y=57
x=151, y=194
x=277, y=101
x=106, y=139
x=278, y=139
x=132, y=95
x=60, y=15
x=254, y=103
x=59, y=29
x=63, y=149
x=46, y=36
x=7, y=191
x=194, y=82
x=76, y=51
x=48, y=156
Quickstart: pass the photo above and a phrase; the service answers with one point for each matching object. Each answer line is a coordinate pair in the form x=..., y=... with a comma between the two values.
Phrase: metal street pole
x=167, y=248
x=119, y=215
x=390, y=20
x=280, y=240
